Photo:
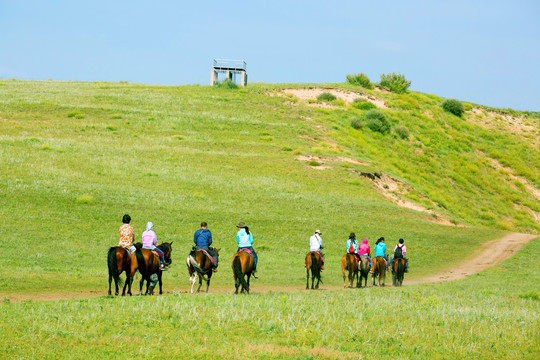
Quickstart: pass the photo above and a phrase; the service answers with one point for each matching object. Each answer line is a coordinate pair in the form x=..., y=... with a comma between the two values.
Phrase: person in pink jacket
x=365, y=251
x=149, y=241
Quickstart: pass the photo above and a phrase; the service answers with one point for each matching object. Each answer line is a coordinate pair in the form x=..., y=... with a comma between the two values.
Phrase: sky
x=481, y=51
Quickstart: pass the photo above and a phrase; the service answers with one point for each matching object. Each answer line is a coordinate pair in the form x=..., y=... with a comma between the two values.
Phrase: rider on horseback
x=399, y=252
x=244, y=238
x=127, y=235
x=149, y=241
x=365, y=251
x=203, y=239
x=315, y=244
x=352, y=246
x=380, y=250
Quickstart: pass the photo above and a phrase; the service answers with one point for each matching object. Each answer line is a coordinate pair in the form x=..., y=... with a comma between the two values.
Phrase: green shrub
x=453, y=106
x=363, y=104
x=227, y=84
x=376, y=121
x=402, y=131
x=326, y=97
x=395, y=82
x=357, y=123
x=360, y=80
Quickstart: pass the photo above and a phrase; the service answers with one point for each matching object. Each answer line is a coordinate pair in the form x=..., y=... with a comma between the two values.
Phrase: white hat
x=318, y=232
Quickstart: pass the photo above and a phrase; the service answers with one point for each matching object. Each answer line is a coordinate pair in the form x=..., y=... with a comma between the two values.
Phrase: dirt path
x=491, y=253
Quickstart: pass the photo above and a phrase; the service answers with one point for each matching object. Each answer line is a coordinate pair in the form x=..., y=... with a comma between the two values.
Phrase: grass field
x=77, y=156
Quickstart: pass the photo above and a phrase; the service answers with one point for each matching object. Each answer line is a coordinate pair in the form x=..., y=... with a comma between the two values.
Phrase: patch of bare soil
x=393, y=189
x=492, y=253
x=326, y=159
x=503, y=121
x=347, y=96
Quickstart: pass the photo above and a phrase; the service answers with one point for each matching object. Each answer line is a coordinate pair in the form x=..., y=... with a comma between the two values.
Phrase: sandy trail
x=491, y=253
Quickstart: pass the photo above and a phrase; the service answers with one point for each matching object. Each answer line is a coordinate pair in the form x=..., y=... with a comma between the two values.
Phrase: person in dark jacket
x=203, y=240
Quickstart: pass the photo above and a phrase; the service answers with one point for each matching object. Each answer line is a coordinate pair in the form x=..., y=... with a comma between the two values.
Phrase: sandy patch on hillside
x=393, y=189
x=503, y=121
x=326, y=159
x=310, y=94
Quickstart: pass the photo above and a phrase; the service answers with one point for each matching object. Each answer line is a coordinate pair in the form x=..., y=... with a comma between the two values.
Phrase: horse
x=349, y=263
x=118, y=261
x=379, y=270
x=199, y=266
x=147, y=262
x=313, y=263
x=363, y=270
x=242, y=266
x=398, y=269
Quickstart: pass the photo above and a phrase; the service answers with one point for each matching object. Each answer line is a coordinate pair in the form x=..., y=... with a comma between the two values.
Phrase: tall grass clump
x=395, y=82
x=326, y=97
x=360, y=80
x=357, y=123
x=376, y=121
x=453, y=106
x=227, y=84
x=402, y=131
x=363, y=104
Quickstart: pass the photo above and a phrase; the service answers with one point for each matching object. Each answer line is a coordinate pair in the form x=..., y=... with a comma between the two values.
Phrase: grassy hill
x=77, y=156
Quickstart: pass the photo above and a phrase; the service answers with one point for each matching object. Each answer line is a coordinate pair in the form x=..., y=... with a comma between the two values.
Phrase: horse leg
x=248, y=278
x=207, y=285
x=200, y=284
x=312, y=279
x=160, y=274
x=318, y=281
x=236, y=285
x=307, y=279
x=141, y=284
x=110, y=281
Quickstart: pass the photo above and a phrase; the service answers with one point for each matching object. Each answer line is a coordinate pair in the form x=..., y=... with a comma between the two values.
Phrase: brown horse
x=147, y=262
x=349, y=263
x=242, y=266
x=364, y=270
x=199, y=266
x=118, y=261
x=379, y=270
x=398, y=269
x=313, y=263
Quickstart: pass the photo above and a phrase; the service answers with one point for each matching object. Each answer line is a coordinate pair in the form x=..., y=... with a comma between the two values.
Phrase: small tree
x=395, y=82
x=453, y=106
x=360, y=80
x=376, y=121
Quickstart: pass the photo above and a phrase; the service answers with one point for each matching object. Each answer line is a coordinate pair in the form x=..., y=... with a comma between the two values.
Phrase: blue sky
x=486, y=52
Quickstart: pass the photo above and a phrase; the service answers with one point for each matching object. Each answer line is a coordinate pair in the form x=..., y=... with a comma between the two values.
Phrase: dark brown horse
x=364, y=270
x=379, y=270
x=350, y=264
x=147, y=262
x=118, y=261
x=313, y=263
x=199, y=266
x=242, y=266
x=398, y=269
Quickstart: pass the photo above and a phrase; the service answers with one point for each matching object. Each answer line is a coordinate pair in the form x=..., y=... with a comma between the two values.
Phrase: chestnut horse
x=199, y=266
x=349, y=263
x=242, y=266
x=118, y=261
x=363, y=270
x=398, y=269
x=147, y=262
x=379, y=270
x=313, y=263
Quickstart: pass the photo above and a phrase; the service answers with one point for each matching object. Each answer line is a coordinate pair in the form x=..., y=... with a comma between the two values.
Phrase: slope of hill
x=77, y=156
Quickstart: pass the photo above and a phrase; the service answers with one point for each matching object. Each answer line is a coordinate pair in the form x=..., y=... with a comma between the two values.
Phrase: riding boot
x=162, y=267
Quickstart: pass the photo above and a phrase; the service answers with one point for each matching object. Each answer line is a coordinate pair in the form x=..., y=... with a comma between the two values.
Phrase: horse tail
x=195, y=264
x=238, y=272
x=399, y=268
x=113, y=266
x=315, y=267
x=349, y=266
x=141, y=263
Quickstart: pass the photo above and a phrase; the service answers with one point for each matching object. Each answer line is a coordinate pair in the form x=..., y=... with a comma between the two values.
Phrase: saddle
x=249, y=251
x=207, y=254
x=127, y=249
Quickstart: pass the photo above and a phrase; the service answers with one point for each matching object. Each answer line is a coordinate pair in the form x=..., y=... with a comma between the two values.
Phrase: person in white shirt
x=315, y=244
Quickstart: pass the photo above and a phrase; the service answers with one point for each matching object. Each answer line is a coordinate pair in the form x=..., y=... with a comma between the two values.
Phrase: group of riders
x=203, y=241
x=362, y=250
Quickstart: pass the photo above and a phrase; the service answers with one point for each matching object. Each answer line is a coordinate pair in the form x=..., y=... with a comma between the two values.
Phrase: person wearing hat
x=244, y=238
x=315, y=244
x=149, y=241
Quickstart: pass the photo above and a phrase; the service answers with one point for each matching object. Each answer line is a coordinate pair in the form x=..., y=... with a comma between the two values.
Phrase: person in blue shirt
x=380, y=250
x=203, y=239
x=244, y=238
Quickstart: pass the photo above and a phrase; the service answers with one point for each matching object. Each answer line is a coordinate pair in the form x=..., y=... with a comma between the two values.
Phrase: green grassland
x=77, y=156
